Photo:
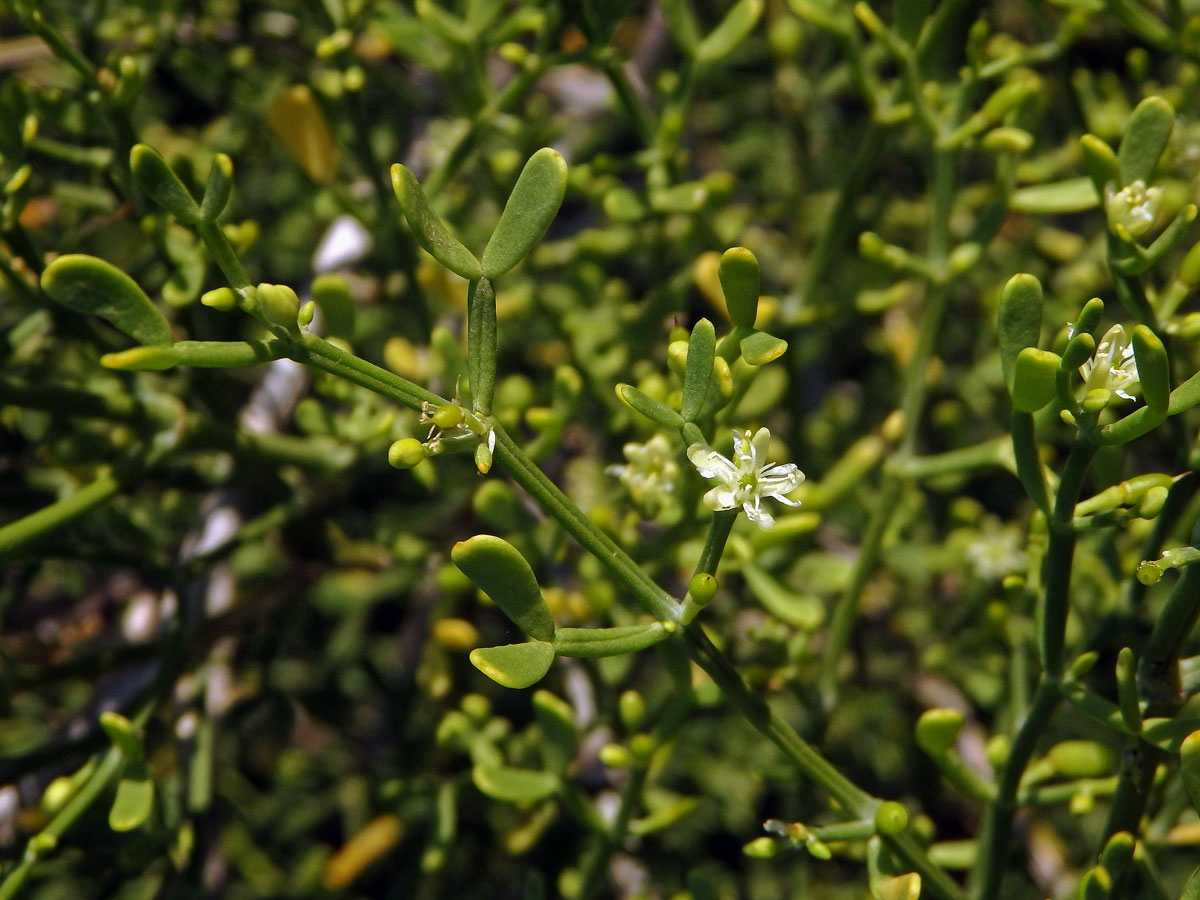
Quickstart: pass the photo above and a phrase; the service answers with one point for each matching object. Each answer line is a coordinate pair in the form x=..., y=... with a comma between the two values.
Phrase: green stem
x=997, y=824
x=525, y=473
x=16, y=535
x=1029, y=463
x=1059, y=556
x=850, y=797
x=322, y=355
x=106, y=771
x=710, y=556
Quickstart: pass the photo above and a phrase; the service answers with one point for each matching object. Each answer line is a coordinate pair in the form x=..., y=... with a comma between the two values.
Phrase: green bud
x=632, y=709
x=999, y=748
x=221, y=298
x=305, y=316
x=702, y=588
x=642, y=745
x=762, y=848
x=448, y=416
x=1080, y=759
x=1007, y=140
x=938, y=729
x=891, y=818
x=279, y=303
x=483, y=458
x=406, y=453
x=615, y=756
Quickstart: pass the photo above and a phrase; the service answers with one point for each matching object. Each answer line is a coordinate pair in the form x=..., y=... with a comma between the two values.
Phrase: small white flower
x=651, y=473
x=748, y=478
x=1113, y=367
x=1133, y=206
x=996, y=552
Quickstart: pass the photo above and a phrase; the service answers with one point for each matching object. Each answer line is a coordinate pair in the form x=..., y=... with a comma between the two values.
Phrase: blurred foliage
x=273, y=609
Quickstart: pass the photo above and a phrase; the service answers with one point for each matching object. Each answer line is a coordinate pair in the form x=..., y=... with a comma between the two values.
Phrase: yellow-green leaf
x=515, y=665
x=531, y=208
x=501, y=572
x=97, y=288
x=431, y=232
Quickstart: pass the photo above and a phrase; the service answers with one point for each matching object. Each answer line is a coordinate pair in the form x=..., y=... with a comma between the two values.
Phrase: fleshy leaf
x=431, y=232
x=502, y=573
x=702, y=350
x=515, y=665
x=157, y=179
x=514, y=785
x=730, y=31
x=134, y=800
x=1189, y=767
x=1072, y=195
x=1034, y=378
x=1145, y=138
x=1153, y=367
x=739, y=276
x=649, y=407
x=1020, y=321
x=531, y=208
x=94, y=287
x=760, y=348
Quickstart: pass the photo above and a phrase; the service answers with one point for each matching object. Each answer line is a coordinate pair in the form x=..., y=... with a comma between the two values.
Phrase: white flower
x=746, y=481
x=1133, y=206
x=996, y=552
x=652, y=472
x=1113, y=367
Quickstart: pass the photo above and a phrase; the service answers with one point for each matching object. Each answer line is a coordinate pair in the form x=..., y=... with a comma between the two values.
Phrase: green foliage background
x=275, y=606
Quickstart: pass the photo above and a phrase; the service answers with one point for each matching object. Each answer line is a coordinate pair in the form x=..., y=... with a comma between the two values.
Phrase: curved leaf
x=430, y=231
x=97, y=288
x=531, y=208
x=502, y=573
x=515, y=665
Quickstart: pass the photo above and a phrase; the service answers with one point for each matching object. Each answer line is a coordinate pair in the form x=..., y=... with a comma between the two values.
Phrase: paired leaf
x=1189, y=766
x=514, y=785
x=1020, y=321
x=430, y=231
x=739, y=276
x=502, y=573
x=515, y=665
x=730, y=31
x=702, y=351
x=531, y=208
x=1144, y=140
x=1034, y=379
x=220, y=186
x=648, y=407
x=97, y=288
x=156, y=178
x=1154, y=369
x=1072, y=195
x=760, y=348
x=134, y=800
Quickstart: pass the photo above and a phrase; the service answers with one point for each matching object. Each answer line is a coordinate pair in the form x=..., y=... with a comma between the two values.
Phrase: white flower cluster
x=1134, y=206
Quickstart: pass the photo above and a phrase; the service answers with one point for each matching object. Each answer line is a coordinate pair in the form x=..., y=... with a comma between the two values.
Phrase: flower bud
x=406, y=453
